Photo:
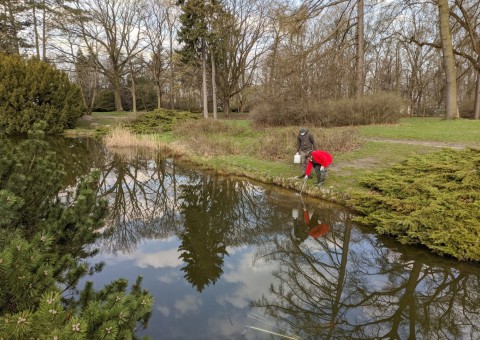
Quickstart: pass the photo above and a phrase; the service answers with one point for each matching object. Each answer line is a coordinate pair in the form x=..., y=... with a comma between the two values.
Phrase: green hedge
x=32, y=90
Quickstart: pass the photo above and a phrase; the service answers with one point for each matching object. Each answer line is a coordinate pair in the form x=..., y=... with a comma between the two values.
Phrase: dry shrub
x=281, y=143
x=277, y=143
x=283, y=112
x=206, y=146
x=380, y=108
x=120, y=137
x=338, y=140
x=205, y=127
x=369, y=109
x=209, y=136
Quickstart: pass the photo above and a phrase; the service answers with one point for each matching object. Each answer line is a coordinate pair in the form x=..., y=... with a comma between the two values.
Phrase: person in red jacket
x=318, y=160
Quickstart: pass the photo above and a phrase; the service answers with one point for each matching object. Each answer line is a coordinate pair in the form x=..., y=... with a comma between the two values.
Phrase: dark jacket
x=306, y=142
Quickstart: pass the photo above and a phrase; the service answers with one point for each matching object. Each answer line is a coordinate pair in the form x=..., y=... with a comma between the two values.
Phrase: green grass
x=427, y=129
x=235, y=149
x=242, y=123
x=114, y=114
x=349, y=167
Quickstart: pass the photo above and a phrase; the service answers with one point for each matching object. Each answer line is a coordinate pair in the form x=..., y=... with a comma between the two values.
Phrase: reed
x=120, y=137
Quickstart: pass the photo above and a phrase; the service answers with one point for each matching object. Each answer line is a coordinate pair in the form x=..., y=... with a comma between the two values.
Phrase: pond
x=228, y=258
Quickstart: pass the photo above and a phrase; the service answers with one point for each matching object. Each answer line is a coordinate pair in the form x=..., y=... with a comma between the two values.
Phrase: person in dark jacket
x=305, y=144
x=318, y=160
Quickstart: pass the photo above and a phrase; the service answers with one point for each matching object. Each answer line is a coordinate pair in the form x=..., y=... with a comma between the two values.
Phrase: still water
x=227, y=258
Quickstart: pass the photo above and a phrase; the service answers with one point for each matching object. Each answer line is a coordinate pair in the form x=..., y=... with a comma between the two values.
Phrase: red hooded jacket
x=320, y=157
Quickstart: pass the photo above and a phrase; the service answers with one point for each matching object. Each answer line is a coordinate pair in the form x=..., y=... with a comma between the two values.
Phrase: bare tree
x=160, y=22
x=468, y=17
x=240, y=33
x=111, y=30
x=360, y=67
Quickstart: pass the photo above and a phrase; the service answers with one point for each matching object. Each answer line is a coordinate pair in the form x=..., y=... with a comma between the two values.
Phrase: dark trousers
x=321, y=174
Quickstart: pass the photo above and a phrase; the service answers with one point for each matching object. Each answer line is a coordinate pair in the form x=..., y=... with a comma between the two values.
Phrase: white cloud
x=164, y=310
x=161, y=259
x=188, y=303
x=252, y=280
x=169, y=277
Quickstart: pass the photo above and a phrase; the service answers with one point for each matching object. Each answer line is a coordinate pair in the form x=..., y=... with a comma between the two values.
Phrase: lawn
x=427, y=129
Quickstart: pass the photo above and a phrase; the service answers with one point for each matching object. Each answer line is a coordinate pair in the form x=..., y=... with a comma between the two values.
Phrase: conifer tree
x=44, y=234
x=32, y=90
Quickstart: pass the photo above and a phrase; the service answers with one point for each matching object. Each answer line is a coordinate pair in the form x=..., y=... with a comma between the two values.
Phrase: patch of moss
x=432, y=200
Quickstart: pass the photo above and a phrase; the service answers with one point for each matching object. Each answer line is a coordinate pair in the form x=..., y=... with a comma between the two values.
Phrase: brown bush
x=210, y=136
x=281, y=143
x=215, y=137
x=379, y=108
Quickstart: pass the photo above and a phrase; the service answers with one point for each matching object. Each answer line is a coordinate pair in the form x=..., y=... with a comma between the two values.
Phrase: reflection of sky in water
x=354, y=283
x=219, y=312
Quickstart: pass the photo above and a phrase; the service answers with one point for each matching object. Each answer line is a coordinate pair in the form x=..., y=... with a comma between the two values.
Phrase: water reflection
x=350, y=285
x=311, y=225
x=227, y=258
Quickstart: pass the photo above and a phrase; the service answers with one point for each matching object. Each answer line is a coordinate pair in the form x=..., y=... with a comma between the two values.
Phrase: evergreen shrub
x=32, y=90
x=431, y=200
x=160, y=120
x=46, y=234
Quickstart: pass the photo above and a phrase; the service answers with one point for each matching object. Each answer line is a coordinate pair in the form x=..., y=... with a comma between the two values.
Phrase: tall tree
x=87, y=79
x=172, y=17
x=467, y=14
x=240, y=33
x=12, y=22
x=157, y=32
x=193, y=35
x=360, y=69
x=448, y=59
x=111, y=30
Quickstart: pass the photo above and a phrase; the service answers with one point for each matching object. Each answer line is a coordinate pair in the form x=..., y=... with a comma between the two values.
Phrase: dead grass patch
x=120, y=137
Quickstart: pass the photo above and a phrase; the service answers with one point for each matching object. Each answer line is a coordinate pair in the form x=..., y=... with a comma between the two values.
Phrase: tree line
x=226, y=55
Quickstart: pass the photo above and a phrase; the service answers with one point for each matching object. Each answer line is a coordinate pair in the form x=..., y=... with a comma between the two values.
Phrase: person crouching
x=318, y=160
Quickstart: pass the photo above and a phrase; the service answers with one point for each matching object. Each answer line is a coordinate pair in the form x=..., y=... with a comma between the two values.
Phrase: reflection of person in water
x=311, y=226
x=300, y=230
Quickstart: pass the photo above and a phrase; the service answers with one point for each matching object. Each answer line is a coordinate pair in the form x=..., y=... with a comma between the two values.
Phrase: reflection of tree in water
x=348, y=285
x=141, y=197
x=215, y=210
x=78, y=156
x=153, y=199
x=207, y=221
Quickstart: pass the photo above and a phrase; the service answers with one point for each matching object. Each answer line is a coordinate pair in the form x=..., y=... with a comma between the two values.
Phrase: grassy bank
x=266, y=154
x=361, y=175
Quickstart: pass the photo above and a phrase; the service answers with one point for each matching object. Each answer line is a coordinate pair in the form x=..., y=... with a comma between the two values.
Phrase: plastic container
x=296, y=158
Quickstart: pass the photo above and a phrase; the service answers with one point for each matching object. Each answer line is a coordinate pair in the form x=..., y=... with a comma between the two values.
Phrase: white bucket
x=295, y=213
x=296, y=158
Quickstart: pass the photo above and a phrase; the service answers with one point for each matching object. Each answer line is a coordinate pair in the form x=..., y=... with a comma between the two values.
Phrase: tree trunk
x=44, y=32
x=159, y=95
x=118, y=94
x=476, y=108
x=226, y=107
x=360, y=76
x=204, y=81
x=14, y=33
x=35, y=28
x=172, y=74
x=448, y=60
x=133, y=89
x=214, y=88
